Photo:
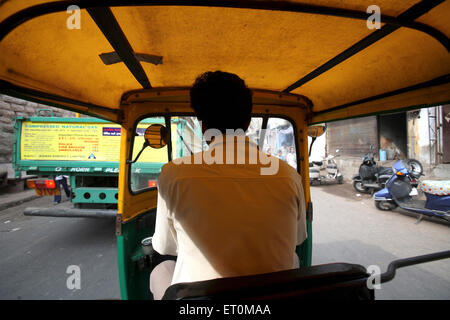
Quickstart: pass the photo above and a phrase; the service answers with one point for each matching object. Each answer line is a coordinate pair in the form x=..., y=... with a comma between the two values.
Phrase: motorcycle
x=399, y=192
x=372, y=177
x=333, y=174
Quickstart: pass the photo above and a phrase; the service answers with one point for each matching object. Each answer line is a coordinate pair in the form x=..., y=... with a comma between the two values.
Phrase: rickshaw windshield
x=133, y=63
x=273, y=135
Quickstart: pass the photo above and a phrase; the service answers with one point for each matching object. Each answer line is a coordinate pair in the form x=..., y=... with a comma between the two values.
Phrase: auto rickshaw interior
x=307, y=62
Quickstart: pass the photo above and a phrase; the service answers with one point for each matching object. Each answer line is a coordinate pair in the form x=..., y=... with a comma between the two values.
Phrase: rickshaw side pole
x=396, y=264
x=388, y=275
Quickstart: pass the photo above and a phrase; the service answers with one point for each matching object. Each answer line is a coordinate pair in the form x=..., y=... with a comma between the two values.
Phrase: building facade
x=422, y=134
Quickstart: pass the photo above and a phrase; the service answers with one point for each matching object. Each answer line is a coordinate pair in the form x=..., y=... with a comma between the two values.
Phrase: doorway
x=392, y=135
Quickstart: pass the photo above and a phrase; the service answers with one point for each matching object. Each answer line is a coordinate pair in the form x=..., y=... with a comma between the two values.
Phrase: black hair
x=222, y=101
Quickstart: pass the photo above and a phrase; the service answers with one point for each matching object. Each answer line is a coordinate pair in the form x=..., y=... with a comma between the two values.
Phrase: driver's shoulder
x=179, y=167
x=286, y=171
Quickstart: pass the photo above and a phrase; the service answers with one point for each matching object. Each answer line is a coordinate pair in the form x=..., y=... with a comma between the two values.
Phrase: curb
x=14, y=203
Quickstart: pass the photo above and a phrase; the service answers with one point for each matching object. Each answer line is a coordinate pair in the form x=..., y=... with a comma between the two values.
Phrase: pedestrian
x=291, y=158
x=61, y=180
x=280, y=155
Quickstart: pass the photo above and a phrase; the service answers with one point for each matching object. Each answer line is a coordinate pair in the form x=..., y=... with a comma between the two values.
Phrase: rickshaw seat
x=316, y=282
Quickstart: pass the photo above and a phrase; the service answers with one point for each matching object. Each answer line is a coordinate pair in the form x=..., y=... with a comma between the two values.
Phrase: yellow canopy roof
x=322, y=50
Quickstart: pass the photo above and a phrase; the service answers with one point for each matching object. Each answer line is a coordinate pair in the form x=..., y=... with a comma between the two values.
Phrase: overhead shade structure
x=322, y=50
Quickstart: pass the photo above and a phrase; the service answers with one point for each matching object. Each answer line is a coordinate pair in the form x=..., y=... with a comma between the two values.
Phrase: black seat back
x=341, y=281
x=367, y=172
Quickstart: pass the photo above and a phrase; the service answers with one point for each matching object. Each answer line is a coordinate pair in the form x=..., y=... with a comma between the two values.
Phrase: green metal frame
x=95, y=195
x=304, y=251
x=134, y=283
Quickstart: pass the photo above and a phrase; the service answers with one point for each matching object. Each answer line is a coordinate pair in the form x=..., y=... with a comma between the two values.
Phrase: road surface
x=348, y=228
x=35, y=252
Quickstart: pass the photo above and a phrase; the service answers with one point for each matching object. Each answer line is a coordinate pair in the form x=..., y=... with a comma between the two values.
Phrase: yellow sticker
x=71, y=141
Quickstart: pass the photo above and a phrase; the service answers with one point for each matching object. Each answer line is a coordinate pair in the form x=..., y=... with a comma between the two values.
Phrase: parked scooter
x=372, y=177
x=333, y=174
x=400, y=192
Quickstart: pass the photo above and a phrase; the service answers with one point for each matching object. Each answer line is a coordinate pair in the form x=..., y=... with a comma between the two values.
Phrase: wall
x=445, y=133
x=10, y=108
x=418, y=136
x=419, y=143
x=352, y=137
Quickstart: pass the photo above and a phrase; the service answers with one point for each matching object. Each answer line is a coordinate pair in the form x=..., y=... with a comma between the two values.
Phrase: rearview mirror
x=317, y=130
x=156, y=136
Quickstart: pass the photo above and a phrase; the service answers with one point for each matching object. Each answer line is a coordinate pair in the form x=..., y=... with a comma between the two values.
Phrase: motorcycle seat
x=436, y=187
x=318, y=163
x=385, y=171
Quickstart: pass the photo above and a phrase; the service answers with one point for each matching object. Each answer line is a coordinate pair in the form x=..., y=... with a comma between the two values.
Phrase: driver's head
x=221, y=100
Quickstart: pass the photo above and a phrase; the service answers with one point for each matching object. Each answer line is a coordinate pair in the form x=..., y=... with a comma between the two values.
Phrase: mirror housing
x=156, y=136
x=317, y=130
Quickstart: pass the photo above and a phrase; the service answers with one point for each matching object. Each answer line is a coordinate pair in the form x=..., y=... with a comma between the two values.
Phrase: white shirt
x=226, y=220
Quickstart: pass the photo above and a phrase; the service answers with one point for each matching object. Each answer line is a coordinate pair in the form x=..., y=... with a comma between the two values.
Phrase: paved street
x=36, y=251
x=348, y=228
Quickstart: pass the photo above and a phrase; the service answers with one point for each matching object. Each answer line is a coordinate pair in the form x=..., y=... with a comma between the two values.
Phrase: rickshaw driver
x=225, y=220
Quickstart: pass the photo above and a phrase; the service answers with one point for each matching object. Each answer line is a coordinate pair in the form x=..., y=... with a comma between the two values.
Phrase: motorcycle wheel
x=359, y=187
x=340, y=179
x=385, y=205
x=414, y=166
